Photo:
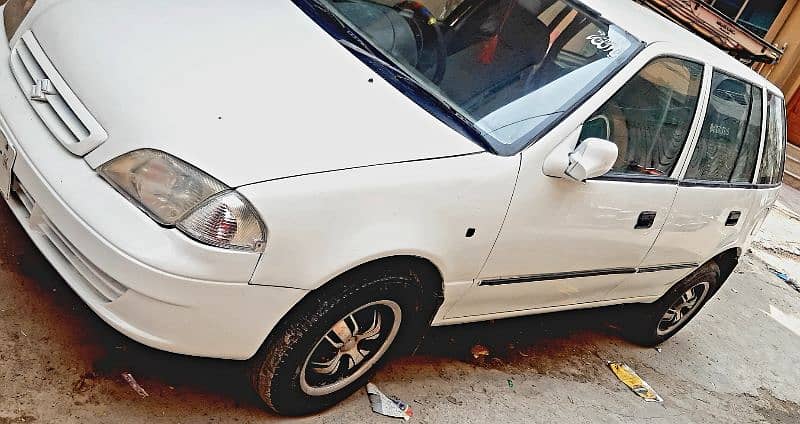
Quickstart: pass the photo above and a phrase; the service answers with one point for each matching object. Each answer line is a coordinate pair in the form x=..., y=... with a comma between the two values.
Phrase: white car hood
x=247, y=90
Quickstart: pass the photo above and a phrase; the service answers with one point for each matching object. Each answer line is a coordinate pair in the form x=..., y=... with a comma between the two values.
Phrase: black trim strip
x=672, y=267
x=648, y=179
x=717, y=184
x=583, y=274
x=632, y=178
x=557, y=276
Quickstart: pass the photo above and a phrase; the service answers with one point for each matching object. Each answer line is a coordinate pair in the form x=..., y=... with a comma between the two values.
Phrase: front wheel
x=651, y=325
x=332, y=343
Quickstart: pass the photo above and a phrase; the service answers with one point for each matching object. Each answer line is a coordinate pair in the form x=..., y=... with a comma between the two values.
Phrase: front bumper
x=219, y=320
x=162, y=310
x=153, y=284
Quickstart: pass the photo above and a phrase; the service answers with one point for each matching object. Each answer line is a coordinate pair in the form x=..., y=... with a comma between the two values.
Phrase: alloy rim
x=350, y=348
x=683, y=308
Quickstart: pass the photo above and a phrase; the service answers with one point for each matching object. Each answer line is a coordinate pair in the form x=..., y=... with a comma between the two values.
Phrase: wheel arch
x=727, y=262
x=430, y=275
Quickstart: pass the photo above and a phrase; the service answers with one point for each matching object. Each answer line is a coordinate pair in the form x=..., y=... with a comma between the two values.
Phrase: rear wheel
x=651, y=325
x=333, y=342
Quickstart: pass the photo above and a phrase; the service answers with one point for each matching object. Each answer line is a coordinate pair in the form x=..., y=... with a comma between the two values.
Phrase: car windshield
x=511, y=68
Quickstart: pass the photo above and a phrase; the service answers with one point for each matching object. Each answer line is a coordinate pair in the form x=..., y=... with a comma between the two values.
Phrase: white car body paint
x=341, y=173
x=433, y=204
x=282, y=113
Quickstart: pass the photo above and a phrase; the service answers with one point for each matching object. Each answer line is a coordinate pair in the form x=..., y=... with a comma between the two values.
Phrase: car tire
x=652, y=324
x=309, y=364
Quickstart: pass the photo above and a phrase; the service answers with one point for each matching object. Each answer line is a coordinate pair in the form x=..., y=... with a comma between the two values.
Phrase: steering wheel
x=423, y=18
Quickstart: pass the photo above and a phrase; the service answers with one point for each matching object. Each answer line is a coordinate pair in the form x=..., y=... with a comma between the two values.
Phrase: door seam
x=502, y=225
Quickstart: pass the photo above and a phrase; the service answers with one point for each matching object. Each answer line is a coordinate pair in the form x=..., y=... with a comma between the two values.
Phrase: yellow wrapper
x=634, y=382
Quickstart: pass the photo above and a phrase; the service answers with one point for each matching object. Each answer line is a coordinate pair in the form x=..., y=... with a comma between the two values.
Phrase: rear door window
x=772, y=162
x=727, y=149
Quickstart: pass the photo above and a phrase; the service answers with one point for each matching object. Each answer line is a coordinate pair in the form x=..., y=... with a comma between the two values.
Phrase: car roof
x=651, y=27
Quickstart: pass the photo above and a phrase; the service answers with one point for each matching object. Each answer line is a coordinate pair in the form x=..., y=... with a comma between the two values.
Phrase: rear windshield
x=512, y=68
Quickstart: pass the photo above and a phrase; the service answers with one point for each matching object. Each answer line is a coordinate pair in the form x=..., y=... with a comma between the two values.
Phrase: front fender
x=323, y=225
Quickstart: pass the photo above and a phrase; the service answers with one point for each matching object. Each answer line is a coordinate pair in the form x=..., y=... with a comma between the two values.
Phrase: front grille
x=105, y=288
x=59, y=108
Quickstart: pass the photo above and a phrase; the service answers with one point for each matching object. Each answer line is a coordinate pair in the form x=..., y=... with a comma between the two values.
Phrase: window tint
x=745, y=168
x=775, y=144
x=650, y=117
x=726, y=130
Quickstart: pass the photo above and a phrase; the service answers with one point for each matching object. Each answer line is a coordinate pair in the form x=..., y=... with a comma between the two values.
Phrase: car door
x=566, y=243
x=724, y=194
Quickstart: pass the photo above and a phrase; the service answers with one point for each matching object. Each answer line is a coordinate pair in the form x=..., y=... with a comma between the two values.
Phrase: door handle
x=733, y=219
x=646, y=220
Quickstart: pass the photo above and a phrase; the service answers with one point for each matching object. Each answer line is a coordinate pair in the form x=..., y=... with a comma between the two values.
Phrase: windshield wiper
x=374, y=57
x=324, y=9
x=404, y=80
x=355, y=42
x=410, y=83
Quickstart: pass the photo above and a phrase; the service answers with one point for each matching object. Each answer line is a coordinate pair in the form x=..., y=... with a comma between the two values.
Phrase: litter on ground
x=387, y=406
x=134, y=385
x=629, y=377
x=479, y=351
x=786, y=279
x=455, y=401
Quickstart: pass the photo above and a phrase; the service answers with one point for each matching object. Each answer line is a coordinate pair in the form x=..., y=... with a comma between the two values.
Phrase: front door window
x=650, y=117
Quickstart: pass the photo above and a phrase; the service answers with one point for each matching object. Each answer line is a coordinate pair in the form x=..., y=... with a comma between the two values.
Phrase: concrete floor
x=737, y=362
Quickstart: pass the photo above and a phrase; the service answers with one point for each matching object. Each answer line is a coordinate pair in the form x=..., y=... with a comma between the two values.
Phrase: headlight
x=176, y=194
x=163, y=186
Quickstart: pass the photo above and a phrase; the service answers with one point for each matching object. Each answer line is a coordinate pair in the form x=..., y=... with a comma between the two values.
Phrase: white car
x=310, y=184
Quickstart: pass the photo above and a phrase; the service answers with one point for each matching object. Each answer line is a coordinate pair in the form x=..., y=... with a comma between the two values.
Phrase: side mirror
x=594, y=157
